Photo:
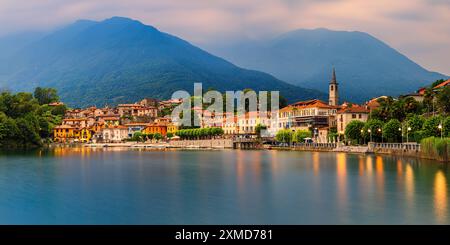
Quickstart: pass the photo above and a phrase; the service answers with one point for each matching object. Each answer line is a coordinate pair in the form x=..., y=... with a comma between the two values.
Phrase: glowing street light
x=370, y=132
x=407, y=133
x=440, y=128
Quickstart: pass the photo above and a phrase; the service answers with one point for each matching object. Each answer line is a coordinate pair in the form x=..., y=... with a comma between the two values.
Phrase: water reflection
x=229, y=186
x=341, y=167
x=316, y=163
x=440, y=197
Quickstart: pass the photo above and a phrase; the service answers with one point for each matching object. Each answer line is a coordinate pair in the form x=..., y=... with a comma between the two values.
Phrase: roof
x=116, y=127
x=65, y=126
x=75, y=119
x=354, y=109
x=136, y=124
x=443, y=84
x=308, y=104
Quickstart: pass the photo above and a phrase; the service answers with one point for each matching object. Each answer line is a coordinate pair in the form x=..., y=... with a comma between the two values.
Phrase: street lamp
x=370, y=132
x=401, y=131
x=379, y=130
x=364, y=140
x=407, y=133
x=440, y=128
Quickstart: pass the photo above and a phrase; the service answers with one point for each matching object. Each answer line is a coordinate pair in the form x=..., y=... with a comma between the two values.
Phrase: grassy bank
x=435, y=148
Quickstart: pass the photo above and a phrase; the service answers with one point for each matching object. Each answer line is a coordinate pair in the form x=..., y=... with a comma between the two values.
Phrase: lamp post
x=370, y=132
x=440, y=128
x=364, y=140
x=379, y=130
x=407, y=133
x=401, y=132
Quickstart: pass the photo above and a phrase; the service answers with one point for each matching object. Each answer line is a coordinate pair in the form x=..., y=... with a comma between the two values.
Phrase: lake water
x=123, y=186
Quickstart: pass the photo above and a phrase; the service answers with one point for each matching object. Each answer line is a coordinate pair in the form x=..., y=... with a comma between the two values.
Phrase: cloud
x=418, y=28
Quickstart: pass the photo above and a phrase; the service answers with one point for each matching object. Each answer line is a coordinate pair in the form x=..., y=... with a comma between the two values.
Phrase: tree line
x=26, y=119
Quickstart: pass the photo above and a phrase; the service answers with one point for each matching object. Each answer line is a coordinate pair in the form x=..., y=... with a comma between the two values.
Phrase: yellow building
x=172, y=128
x=86, y=135
x=156, y=128
x=66, y=134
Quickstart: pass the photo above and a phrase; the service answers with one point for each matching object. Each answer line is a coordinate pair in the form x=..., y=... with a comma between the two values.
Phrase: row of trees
x=199, y=133
x=414, y=128
x=26, y=119
x=142, y=137
x=289, y=136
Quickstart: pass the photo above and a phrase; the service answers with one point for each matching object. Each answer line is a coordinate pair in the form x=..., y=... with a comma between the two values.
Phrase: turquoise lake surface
x=123, y=186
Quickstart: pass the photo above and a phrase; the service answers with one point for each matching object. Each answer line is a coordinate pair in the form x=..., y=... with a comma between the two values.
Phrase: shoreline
x=164, y=145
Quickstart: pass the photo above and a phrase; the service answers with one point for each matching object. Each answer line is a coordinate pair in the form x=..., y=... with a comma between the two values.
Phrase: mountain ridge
x=366, y=66
x=121, y=60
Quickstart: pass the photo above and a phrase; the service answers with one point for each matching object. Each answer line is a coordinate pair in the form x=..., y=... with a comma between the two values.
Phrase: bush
x=435, y=148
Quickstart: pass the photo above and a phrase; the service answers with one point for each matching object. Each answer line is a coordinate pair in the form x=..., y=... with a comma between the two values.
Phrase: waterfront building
x=135, y=127
x=155, y=128
x=307, y=115
x=66, y=133
x=114, y=134
x=230, y=127
x=247, y=122
x=350, y=113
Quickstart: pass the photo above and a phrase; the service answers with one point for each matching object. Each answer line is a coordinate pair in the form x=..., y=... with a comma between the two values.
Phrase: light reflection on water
x=123, y=186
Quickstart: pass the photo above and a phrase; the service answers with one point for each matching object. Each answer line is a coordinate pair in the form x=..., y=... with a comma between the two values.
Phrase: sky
x=420, y=29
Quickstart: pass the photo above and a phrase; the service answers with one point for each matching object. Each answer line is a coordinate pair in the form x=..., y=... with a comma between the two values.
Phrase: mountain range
x=121, y=60
x=365, y=66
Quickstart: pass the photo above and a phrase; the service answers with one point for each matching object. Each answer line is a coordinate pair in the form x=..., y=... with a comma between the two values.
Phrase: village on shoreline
x=148, y=123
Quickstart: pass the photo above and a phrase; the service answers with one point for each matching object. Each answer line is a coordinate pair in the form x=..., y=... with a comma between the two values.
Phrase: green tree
x=431, y=126
x=284, y=136
x=137, y=136
x=375, y=126
x=169, y=135
x=443, y=100
x=46, y=95
x=353, y=131
x=158, y=136
x=300, y=135
x=392, y=131
x=259, y=128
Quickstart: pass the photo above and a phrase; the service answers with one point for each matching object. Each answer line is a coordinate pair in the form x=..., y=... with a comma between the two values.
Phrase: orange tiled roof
x=354, y=109
x=443, y=84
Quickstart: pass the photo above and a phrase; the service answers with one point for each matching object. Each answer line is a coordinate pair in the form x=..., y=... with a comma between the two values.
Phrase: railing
x=311, y=145
x=395, y=146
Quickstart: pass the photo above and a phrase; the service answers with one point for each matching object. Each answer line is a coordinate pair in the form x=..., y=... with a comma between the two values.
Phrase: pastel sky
x=419, y=29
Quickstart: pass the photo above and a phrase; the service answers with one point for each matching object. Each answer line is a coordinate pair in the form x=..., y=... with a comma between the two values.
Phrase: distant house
x=114, y=133
x=350, y=113
x=137, y=110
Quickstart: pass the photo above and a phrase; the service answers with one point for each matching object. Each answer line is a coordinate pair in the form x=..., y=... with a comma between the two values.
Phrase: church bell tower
x=333, y=91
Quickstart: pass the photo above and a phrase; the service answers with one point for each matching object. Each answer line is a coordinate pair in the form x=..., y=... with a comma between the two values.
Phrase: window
x=353, y=115
x=331, y=87
x=360, y=116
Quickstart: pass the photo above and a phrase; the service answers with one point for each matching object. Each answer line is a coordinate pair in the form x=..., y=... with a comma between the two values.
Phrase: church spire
x=333, y=78
x=333, y=91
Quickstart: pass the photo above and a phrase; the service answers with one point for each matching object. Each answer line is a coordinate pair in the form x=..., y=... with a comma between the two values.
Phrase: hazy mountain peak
x=366, y=66
x=122, y=60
